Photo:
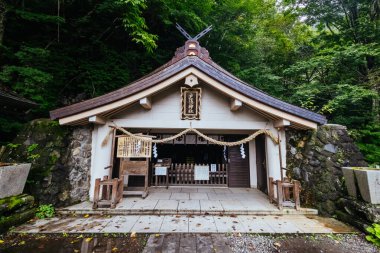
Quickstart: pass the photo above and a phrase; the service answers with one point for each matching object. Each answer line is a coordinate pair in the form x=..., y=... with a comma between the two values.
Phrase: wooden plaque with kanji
x=191, y=103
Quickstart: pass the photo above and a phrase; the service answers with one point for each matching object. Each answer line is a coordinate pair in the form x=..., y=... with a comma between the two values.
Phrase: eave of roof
x=11, y=98
x=208, y=67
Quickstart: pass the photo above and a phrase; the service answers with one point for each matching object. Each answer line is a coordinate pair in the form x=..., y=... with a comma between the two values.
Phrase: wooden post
x=296, y=194
x=271, y=190
x=96, y=193
x=105, y=189
x=279, y=194
x=114, y=193
x=280, y=153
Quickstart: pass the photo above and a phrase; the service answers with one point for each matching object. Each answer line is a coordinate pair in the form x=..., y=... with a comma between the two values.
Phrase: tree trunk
x=3, y=11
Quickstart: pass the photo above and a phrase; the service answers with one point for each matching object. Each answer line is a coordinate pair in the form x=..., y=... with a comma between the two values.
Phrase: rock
x=297, y=172
x=76, y=151
x=329, y=207
x=301, y=144
x=330, y=148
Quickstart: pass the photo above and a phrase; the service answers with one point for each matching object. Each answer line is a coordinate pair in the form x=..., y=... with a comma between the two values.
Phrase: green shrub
x=45, y=211
x=374, y=234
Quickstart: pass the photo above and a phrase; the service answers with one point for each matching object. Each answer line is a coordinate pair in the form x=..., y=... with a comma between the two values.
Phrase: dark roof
x=10, y=98
x=188, y=57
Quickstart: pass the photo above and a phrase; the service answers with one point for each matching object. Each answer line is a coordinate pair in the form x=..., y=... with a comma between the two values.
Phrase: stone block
x=13, y=179
x=369, y=185
x=349, y=179
x=330, y=148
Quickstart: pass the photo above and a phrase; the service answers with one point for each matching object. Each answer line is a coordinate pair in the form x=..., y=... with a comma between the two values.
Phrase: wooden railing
x=183, y=174
x=287, y=193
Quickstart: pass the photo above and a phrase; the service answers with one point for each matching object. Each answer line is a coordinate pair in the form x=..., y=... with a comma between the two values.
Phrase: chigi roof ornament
x=196, y=38
x=192, y=47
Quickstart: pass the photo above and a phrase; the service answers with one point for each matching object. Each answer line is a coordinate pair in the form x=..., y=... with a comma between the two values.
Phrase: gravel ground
x=242, y=243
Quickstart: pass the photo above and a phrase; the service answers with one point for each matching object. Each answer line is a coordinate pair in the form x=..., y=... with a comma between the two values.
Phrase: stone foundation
x=61, y=161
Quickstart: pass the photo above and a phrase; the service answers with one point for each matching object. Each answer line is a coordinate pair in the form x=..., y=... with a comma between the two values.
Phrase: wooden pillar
x=279, y=194
x=296, y=194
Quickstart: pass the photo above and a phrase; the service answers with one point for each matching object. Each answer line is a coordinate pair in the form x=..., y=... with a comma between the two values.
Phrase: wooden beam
x=97, y=120
x=236, y=104
x=281, y=123
x=146, y=103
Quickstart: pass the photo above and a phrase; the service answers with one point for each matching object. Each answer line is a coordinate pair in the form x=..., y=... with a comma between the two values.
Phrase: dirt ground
x=236, y=242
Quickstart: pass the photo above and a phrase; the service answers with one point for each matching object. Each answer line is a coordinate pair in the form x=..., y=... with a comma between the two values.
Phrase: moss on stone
x=16, y=219
x=11, y=204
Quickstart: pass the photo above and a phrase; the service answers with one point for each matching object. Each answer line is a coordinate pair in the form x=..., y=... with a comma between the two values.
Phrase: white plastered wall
x=165, y=114
x=273, y=157
x=100, y=156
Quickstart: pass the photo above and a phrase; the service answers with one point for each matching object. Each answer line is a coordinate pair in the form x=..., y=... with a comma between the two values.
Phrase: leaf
x=133, y=234
x=114, y=249
x=88, y=239
x=1, y=241
x=86, y=216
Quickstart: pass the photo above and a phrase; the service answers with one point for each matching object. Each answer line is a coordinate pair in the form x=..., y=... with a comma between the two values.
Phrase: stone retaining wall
x=61, y=161
x=315, y=158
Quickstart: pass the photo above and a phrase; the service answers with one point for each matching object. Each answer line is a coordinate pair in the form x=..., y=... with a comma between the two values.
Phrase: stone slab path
x=192, y=243
x=197, y=201
x=186, y=224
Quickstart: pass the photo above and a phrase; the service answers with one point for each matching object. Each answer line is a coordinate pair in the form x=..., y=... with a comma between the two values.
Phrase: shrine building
x=190, y=123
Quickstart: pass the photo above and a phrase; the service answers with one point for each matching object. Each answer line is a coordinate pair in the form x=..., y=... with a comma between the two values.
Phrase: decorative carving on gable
x=191, y=80
x=191, y=103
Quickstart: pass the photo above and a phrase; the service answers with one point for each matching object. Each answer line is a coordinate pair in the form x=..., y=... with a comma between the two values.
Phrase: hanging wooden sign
x=191, y=103
x=131, y=147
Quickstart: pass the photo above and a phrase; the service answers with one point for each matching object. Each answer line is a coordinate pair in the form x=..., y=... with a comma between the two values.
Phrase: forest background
x=323, y=55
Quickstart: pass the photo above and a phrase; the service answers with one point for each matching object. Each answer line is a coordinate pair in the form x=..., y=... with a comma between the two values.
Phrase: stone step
x=116, y=211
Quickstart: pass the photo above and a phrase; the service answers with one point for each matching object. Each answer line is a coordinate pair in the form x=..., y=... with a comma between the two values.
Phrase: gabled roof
x=10, y=98
x=191, y=55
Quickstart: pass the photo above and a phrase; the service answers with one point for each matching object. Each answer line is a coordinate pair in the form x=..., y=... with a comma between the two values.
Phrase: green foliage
x=38, y=17
x=374, y=234
x=31, y=147
x=368, y=140
x=319, y=54
x=135, y=23
x=13, y=145
x=45, y=211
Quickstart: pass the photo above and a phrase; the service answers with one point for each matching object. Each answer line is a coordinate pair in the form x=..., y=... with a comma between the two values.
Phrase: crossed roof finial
x=187, y=36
